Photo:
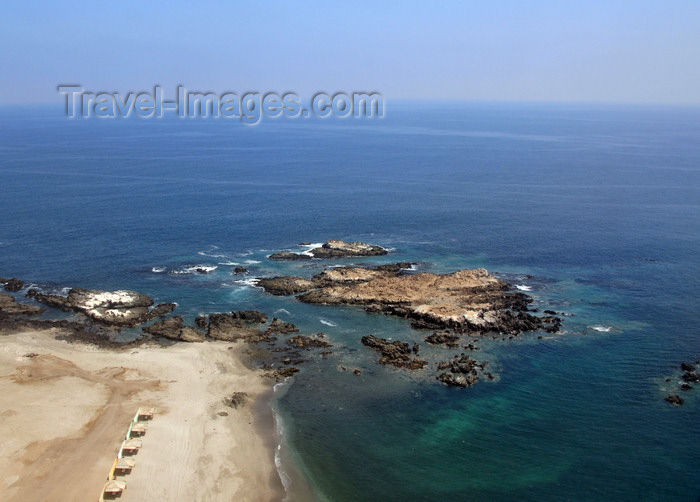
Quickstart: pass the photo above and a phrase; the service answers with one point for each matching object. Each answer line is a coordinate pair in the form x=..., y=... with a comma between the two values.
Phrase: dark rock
x=13, y=285
x=284, y=286
x=229, y=328
x=357, y=372
x=686, y=387
x=691, y=376
x=174, y=328
x=240, y=270
x=161, y=310
x=288, y=256
x=687, y=367
x=10, y=307
x=236, y=399
x=342, y=249
x=281, y=327
x=445, y=338
x=457, y=380
x=55, y=301
x=463, y=371
x=396, y=267
x=281, y=373
x=674, y=399
x=251, y=316
x=304, y=342
x=304, y=243
x=394, y=353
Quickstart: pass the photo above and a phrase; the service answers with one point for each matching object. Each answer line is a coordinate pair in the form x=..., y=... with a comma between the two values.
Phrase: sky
x=624, y=51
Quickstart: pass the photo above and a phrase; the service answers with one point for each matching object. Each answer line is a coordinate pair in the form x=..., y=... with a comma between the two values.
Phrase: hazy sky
x=540, y=50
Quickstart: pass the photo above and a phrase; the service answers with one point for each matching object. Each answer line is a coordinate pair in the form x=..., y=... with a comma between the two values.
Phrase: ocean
x=591, y=209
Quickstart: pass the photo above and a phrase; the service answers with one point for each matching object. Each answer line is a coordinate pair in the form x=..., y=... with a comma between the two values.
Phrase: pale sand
x=64, y=413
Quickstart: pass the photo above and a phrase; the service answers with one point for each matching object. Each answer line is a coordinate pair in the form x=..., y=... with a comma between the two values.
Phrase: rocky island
x=333, y=249
x=466, y=301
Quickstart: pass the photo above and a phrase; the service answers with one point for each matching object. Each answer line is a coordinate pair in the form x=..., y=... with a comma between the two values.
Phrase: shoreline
x=67, y=405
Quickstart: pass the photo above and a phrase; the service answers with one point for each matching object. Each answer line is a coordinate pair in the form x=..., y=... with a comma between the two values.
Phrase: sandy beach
x=66, y=406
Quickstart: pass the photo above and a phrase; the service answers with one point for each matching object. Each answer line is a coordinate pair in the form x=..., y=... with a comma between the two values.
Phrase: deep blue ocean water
x=599, y=204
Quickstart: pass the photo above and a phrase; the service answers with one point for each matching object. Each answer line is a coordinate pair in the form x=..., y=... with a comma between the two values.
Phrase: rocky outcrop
x=470, y=301
x=113, y=308
x=281, y=327
x=445, y=338
x=308, y=342
x=161, y=310
x=13, y=285
x=332, y=249
x=687, y=366
x=394, y=353
x=286, y=285
x=240, y=270
x=343, y=249
x=691, y=376
x=174, y=328
x=289, y=256
x=674, y=399
x=230, y=328
x=250, y=316
x=10, y=307
x=463, y=371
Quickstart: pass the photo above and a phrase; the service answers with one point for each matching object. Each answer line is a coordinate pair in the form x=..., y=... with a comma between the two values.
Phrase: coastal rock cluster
x=463, y=371
x=457, y=304
x=104, y=313
x=9, y=307
x=689, y=376
x=395, y=353
x=454, y=305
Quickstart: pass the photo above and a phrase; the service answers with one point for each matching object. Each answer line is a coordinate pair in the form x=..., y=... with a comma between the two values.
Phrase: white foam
x=284, y=311
x=251, y=282
x=523, y=287
x=196, y=269
x=251, y=262
x=279, y=433
x=209, y=255
x=229, y=263
x=309, y=247
x=602, y=329
x=327, y=323
x=158, y=270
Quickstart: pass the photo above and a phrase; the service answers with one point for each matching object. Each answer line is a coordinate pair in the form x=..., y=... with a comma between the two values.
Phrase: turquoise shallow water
x=598, y=204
